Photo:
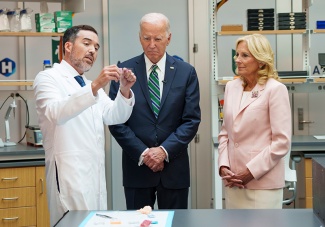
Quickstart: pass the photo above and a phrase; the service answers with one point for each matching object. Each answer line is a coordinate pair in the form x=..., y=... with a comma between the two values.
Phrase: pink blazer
x=258, y=135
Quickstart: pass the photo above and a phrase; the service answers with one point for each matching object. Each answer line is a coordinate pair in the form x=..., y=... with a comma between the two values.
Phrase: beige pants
x=253, y=199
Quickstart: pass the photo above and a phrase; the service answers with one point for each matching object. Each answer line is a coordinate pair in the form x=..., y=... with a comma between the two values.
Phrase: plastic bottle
x=4, y=21
x=44, y=7
x=14, y=20
x=25, y=20
x=47, y=64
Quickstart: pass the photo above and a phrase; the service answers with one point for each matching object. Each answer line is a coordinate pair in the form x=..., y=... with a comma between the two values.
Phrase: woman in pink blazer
x=256, y=131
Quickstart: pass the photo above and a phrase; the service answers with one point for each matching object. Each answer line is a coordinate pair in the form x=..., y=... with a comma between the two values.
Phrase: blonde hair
x=259, y=46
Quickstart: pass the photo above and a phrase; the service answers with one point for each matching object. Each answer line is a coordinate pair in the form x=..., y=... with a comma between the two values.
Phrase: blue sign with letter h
x=7, y=67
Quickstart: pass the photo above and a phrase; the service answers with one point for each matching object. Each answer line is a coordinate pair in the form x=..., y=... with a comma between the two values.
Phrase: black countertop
x=321, y=161
x=21, y=155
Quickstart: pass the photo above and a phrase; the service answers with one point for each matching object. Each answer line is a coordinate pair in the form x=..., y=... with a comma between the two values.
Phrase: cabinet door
x=308, y=108
x=17, y=177
x=43, y=216
x=17, y=197
x=16, y=217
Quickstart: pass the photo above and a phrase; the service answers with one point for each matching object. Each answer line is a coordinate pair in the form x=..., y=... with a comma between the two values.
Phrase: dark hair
x=70, y=34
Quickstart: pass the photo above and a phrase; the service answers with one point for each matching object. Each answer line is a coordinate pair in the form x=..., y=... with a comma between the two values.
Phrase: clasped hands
x=154, y=158
x=235, y=179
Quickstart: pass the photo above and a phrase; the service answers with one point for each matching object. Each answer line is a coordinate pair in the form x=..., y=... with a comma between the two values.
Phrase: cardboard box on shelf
x=232, y=27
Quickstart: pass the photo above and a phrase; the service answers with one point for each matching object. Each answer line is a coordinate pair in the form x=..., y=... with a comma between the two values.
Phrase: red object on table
x=145, y=223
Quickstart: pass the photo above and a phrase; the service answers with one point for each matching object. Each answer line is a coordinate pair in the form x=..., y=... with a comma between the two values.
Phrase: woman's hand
x=230, y=178
x=245, y=176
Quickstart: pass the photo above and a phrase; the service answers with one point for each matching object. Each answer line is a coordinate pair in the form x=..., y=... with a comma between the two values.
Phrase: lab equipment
x=12, y=107
x=34, y=136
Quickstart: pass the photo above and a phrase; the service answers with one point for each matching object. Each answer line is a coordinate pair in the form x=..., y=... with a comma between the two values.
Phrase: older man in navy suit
x=155, y=139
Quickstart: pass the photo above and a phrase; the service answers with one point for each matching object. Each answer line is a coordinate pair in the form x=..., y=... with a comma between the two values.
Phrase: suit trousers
x=137, y=198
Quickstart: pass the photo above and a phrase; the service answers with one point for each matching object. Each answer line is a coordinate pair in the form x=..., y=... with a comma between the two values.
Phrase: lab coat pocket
x=73, y=170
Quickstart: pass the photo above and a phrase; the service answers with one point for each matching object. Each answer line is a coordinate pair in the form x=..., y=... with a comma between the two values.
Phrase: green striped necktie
x=154, y=90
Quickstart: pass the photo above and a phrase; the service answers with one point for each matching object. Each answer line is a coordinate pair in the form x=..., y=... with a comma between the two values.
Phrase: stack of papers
x=320, y=137
x=128, y=219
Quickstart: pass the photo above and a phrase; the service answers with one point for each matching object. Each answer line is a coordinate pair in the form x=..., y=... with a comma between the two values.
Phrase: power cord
x=12, y=95
x=27, y=116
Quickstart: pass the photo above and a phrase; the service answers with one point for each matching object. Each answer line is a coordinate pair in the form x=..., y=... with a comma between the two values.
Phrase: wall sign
x=7, y=67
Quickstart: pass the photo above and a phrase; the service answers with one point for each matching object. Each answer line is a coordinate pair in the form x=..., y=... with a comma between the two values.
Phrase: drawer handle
x=10, y=219
x=13, y=198
x=42, y=185
x=10, y=178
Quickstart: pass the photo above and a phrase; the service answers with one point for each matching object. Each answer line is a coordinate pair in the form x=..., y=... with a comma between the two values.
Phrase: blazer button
x=156, y=144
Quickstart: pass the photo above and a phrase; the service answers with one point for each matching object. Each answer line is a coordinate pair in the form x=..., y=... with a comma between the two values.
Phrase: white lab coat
x=71, y=120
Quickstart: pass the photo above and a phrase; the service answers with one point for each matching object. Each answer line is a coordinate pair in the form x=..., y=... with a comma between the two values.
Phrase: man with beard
x=71, y=112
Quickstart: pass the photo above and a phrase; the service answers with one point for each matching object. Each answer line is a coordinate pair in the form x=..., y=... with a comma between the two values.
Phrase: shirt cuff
x=141, y=158
x=129, y=101
x=167, y=158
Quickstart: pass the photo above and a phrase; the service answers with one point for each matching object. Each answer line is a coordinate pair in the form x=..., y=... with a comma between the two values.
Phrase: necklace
x=248, y=87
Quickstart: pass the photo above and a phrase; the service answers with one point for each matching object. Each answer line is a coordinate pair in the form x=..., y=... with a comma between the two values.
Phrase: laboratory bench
x=318, y=187
x=220, y=217
x=307, y=147
x=22, y=186
x=303, y=147
x=21, y=155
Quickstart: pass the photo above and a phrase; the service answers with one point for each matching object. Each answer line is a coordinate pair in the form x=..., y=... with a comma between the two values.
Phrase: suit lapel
x=237, y=93
x=141, y=73
x=71, y=81
x=253, y=96
x=170, y=70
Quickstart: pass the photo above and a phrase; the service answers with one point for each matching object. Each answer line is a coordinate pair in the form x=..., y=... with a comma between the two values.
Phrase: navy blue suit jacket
x=175, y=127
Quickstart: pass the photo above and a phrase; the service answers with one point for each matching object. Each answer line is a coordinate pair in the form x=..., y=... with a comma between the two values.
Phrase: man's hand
x=154, y=158
x=108, y=73
x=127, y=79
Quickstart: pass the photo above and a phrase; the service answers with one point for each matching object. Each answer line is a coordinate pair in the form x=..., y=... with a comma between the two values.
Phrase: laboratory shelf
x=289, y=80
x=35, y=34
x=318, y=31
x=265, y=32
x=16, y=82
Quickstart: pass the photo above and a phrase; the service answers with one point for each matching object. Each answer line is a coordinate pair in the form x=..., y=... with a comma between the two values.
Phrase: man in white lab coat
x=71, y=117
